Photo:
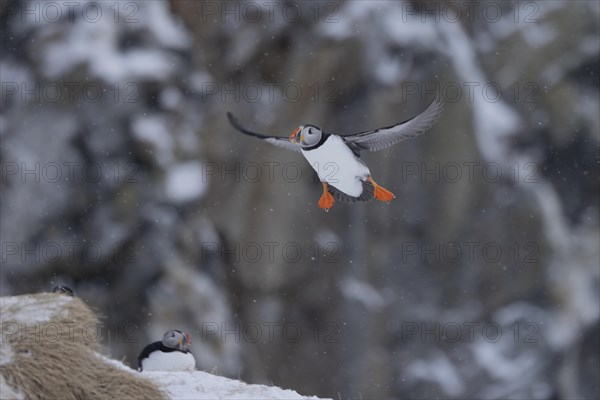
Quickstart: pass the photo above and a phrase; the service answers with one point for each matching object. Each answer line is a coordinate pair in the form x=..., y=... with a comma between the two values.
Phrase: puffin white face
x=177, y=340
x=306, y=135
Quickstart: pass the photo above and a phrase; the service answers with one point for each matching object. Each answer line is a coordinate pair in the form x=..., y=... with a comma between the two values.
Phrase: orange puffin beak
x=185, y=340
x=294, y=135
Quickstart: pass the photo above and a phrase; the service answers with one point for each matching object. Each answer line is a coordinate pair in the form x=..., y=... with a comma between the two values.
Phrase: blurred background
x=122, y=178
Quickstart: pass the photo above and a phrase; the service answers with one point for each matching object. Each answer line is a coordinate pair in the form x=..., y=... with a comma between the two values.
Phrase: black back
x=63, y=290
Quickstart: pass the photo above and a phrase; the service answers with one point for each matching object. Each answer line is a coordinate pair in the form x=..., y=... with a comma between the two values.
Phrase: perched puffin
x=62, y=289
x=170, y=354
x=336, y=159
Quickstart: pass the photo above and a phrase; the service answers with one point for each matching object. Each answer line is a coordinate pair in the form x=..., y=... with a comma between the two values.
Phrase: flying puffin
x=169, y=354
x=336, y=159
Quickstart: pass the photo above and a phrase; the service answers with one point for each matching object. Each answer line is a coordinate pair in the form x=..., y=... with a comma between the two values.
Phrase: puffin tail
x=368, y=193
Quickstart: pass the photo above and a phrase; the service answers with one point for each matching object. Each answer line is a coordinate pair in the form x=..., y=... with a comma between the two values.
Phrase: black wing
x=277, y=141
x=384, y=137
x=147, y=350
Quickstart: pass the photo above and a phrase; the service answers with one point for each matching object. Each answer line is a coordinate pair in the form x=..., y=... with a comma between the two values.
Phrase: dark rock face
x=122, y=178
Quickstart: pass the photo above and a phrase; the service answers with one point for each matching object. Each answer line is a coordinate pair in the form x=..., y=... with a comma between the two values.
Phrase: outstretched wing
x=277, y=141
x=384, y=137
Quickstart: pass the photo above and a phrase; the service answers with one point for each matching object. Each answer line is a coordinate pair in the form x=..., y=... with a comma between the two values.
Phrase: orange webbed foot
x=326, y=201
x=381, y=193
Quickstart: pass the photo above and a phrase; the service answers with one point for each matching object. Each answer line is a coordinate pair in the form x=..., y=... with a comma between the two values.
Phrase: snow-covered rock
x=199, y=385
x=43, y=356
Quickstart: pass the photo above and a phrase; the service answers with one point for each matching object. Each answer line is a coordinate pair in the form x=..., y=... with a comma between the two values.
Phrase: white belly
x=173, y=361
x=337, y=165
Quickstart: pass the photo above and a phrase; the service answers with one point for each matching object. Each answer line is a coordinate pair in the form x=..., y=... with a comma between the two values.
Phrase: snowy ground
x=200, y=385
x=195, y=385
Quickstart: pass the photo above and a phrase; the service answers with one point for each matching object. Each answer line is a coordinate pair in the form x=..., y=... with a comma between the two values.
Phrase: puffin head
x=306, y=135
x=177, y=340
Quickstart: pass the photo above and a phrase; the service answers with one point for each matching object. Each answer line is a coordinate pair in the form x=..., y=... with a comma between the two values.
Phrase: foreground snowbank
x=198, y=385
x=43, y=354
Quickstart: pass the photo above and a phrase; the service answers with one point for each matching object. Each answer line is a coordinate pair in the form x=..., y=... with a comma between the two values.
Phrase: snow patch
x=6, y=354
x=198, y=385
x=9, y=392
x=494, y=121
x=153, y=129
x=438, y=370
x=492, y=357
x=202, y=82
x=164, y=27
x=518, y=311
x=30, y=310
x=171, y=98
x=117, y=364
x=539, y=35
x=412, y=31
x=185, y=182
x=347, y=21
x=363, y=293
x=97, y=44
